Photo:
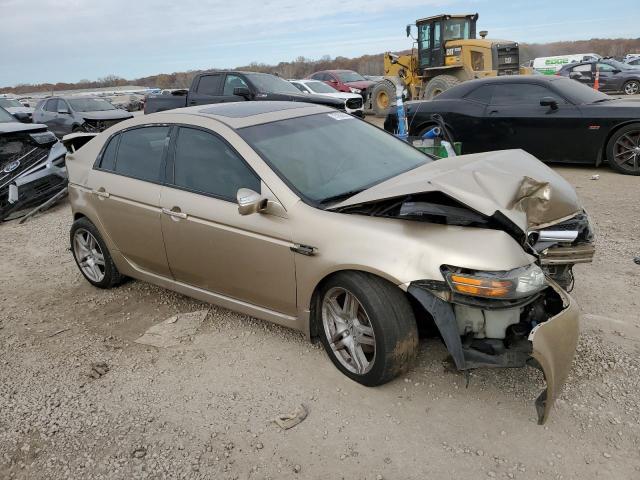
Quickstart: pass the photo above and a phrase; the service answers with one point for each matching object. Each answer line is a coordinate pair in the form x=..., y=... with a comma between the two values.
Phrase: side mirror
x=250, y=202
x=575, y=75
x=242, y=92
x=408, y=30
x=549, y=102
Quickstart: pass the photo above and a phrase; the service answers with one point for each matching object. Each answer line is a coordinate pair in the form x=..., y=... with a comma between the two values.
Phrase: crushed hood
x=512, y=182
x=115, y=114
x=14, y=127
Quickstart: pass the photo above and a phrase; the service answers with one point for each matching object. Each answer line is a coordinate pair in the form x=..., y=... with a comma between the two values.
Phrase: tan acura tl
x=313, y=219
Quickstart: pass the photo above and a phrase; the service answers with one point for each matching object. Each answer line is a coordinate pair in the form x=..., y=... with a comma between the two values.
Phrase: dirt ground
x=203, y=409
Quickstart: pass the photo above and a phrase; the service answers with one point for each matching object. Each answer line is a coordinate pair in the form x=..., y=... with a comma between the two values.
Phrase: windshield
x=331, y=154
x=456, y=28
x=266, y=83
x=320, y=87
x=90, y=105
x=346, y=77
x=6, y=116
x=9, y=103
x=577, y=92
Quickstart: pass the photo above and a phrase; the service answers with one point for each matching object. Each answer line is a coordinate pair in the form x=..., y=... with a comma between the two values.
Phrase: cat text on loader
x=445, y=53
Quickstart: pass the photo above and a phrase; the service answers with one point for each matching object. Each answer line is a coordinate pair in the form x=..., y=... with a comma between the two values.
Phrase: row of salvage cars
x=32, y=159
x=313, y=219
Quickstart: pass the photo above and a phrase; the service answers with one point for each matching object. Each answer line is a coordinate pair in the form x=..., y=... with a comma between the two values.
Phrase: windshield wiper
x=340, y=196
x=603, y=100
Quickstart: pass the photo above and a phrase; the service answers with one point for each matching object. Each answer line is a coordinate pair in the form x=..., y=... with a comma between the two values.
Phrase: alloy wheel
x=88, y=254
x=626, y=151
x=348, y=330
x=632, y=88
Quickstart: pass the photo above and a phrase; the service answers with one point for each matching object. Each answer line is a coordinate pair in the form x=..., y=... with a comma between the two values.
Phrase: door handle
x=174, y=213
x=493, y=112
x=101, y=192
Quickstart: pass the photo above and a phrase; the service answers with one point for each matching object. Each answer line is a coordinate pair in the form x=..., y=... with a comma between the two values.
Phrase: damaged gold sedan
x=318, y=221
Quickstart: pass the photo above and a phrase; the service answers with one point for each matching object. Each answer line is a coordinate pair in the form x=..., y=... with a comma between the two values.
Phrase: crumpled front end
x=32, y=170
x=540, y=330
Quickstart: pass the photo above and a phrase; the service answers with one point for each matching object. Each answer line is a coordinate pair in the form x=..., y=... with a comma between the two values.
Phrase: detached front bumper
x=554, y=345
x=550, y=345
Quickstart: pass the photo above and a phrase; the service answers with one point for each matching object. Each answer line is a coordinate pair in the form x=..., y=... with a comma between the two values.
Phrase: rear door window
x=582, y=68
x=210, y=85
x=204, y=163
x=51, y=105
x=521, y=94
x=141, y=152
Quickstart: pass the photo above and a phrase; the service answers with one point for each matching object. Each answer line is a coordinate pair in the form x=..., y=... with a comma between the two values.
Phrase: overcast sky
x=69, y=40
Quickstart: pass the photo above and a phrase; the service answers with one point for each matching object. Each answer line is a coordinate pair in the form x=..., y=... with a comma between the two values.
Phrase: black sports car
x=553, y=118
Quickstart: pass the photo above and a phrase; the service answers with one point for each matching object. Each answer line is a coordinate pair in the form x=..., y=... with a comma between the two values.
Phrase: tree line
x=302, y=66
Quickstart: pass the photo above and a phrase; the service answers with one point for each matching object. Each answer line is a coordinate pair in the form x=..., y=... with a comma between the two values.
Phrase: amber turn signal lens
x=483, y=287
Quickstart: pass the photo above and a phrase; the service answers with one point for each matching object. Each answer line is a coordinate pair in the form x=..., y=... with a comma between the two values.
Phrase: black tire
x=627, y=136
x=383, y=97
x=390, y=316
x=112, y=277
x=439, y=84
x=632, y=87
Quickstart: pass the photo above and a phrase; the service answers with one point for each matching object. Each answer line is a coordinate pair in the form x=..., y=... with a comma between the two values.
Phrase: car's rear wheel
x=632, y=87
x=623, y=150
x=367, y=327
x=92, y=256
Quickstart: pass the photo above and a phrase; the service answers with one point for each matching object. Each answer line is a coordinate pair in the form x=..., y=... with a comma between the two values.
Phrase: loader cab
x=433, y=34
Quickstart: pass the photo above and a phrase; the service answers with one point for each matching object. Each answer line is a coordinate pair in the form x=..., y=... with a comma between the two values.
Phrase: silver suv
x=77, y=114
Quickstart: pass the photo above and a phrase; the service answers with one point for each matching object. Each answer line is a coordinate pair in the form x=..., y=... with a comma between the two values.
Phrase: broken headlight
x=513, y=284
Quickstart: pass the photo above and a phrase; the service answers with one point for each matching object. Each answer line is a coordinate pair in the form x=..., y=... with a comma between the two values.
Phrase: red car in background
x=345, y=81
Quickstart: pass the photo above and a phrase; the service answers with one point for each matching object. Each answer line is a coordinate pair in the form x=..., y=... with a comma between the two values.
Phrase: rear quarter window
x=108, y=159
x=481, y=94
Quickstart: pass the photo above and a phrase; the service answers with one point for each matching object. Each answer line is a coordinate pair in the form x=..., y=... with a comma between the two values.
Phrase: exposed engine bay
x=32, y=169
x=558, y=245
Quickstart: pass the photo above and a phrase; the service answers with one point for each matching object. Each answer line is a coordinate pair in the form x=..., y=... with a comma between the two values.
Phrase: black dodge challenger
x=553, y=118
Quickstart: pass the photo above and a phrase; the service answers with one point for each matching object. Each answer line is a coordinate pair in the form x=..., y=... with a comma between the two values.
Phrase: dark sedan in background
x=552, y=118
x=613, y=76
x=77, y=114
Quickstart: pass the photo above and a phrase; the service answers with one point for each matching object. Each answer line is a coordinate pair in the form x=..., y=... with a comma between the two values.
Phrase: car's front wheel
x=91, y=255
x=367, y=327
x=623, y=150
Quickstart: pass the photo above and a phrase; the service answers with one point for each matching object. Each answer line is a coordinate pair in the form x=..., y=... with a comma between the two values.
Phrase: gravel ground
x=204, y=409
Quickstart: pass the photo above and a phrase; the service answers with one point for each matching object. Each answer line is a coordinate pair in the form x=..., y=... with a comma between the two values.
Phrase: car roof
x=466, y=87
x=245, y=114
x=333, y=71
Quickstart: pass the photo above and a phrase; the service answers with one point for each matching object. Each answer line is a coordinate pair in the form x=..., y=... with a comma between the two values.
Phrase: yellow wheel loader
x=445, y=53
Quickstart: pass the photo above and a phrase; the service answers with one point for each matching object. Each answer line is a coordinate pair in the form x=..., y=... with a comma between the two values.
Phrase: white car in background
x=352, y=101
